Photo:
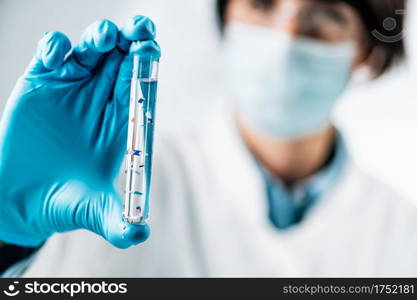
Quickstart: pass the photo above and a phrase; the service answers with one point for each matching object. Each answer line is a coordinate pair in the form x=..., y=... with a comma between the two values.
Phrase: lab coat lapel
x=241, y=228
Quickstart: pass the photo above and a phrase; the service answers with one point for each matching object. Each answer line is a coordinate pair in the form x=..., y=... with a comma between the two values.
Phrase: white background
x=379, y=119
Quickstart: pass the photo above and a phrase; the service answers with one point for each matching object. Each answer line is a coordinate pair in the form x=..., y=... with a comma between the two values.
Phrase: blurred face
x=287, y=62
x=327, y=22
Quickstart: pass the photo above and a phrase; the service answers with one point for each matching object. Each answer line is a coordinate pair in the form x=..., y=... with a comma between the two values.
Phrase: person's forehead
x=272, y=3
x=293, y=5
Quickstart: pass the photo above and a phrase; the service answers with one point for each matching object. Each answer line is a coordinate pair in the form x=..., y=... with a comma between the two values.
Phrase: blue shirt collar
x=289, y=206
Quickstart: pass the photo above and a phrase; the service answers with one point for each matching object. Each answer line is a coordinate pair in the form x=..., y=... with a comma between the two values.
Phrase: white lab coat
x=209, y=218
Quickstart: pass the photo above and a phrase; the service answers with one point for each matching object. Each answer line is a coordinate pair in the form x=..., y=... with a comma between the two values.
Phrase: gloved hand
x=63, y=136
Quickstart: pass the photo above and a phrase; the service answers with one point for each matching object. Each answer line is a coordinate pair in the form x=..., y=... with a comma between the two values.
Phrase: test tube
x=139, y=151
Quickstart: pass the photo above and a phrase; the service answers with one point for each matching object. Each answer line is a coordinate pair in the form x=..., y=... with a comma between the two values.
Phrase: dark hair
x=383, y=51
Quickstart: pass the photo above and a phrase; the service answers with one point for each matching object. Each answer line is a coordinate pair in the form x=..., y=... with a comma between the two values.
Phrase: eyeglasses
x=323, y=21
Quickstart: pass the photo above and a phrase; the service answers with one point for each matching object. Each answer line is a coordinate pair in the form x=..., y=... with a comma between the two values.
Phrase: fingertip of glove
x=146, y=48
x=104, y=35
x=137, y=234
x=131, y=236
x=53, y=49
x=139, y=28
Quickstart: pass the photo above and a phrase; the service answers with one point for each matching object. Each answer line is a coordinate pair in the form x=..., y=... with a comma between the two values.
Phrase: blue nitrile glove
x=64, y=133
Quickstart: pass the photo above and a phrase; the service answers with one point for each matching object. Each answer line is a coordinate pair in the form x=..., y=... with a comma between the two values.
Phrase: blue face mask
x=283, y=86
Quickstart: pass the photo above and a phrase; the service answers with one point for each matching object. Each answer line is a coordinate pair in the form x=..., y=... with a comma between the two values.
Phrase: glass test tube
x=140, y=139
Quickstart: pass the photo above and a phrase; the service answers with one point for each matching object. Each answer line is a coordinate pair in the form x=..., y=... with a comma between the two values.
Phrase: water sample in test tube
x=140, y=138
